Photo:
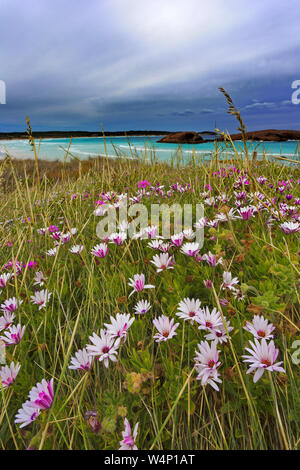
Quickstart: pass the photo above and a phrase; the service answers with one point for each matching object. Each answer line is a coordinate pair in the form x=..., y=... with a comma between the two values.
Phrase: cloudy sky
x=148, y=64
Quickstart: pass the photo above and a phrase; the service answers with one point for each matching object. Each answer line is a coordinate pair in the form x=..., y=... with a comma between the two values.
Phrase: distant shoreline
x=79, y=134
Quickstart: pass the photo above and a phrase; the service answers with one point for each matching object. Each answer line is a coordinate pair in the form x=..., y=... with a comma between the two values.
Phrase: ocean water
x=143, y=147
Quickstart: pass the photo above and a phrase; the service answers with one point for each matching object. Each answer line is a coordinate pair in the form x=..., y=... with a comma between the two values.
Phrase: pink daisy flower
x=129, y=438
x=6, y=320
x=10, y=305
x=138, y=283
x=260, y=327
x=104, y=347
x=41, y=298
x=9, y=374
x=166, y=328
x=209, y=320
x=262, y=357
x=82, y=360
x=190, y=249
x=41, y=395
x=206, y=364
x=228, y=281
x=119, y=326
x=212, y=259
x=26, y=415
x=188, y=309
x=162, y=262
x=100, y=250
x=13, y=334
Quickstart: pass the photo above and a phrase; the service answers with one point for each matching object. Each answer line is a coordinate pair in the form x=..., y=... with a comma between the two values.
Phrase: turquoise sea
x=144, y=147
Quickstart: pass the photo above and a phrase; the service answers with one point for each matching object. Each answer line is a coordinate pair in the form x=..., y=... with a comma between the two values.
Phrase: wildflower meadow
x=145, y=342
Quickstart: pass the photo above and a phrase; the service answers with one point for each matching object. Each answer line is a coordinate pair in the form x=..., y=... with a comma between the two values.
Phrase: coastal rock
x=270, y=135
x=183, y=138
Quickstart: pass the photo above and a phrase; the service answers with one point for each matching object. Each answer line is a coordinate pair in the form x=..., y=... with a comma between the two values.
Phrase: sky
x=148, y=64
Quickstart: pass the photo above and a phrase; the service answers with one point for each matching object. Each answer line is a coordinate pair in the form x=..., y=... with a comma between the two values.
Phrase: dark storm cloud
x=150, y=64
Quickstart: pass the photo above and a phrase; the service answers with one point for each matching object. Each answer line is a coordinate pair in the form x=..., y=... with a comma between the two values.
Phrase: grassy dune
x=154, y=384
